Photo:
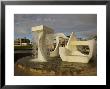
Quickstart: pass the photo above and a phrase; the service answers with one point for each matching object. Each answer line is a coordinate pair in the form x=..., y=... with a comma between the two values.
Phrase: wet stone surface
x=54, y=67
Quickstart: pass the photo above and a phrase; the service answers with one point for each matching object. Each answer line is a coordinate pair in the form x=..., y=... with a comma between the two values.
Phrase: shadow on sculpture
x=43, y=53
x=55, y=53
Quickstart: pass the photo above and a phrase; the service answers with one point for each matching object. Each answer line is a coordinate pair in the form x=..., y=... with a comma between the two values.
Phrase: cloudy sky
x=83, y=24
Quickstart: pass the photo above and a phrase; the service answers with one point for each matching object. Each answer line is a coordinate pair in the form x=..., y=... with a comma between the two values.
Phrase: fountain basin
x=54, y=67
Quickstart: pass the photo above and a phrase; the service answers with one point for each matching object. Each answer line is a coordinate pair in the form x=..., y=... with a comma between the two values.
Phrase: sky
x=83, y=24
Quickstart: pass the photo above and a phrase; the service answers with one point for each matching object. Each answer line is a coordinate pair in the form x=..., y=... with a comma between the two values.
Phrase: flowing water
x=35, y=43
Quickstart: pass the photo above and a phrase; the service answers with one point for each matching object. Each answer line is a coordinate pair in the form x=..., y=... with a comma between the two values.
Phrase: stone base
x=27, y=67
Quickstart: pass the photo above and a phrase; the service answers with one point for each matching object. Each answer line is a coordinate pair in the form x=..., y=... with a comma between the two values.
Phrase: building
x=22, y=42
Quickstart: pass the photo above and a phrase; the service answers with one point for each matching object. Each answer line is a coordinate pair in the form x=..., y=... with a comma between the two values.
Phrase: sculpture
x=68, y=53
x=71, y=54
x=55, y=53
x=41, y=31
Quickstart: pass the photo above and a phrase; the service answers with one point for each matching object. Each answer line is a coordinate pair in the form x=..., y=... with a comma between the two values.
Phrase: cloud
x=65, y=23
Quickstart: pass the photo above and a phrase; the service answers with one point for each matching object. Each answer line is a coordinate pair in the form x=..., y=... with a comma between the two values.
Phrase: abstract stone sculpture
x=55, y=53
x=42, y=31
x=71, y=54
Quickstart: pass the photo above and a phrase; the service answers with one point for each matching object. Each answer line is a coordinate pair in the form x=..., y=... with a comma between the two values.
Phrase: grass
x=22, y=47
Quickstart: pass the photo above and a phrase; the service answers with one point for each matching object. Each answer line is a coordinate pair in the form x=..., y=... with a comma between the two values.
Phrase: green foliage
x=25, y=40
